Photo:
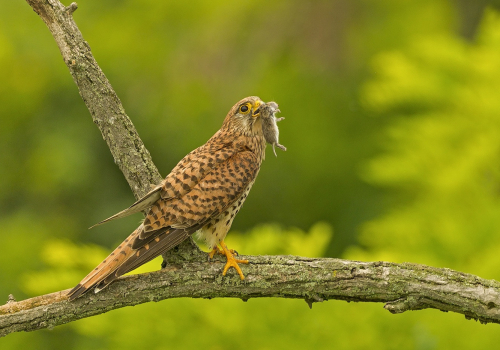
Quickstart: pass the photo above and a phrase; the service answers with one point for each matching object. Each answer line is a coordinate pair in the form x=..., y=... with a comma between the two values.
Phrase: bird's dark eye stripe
x=244, y=108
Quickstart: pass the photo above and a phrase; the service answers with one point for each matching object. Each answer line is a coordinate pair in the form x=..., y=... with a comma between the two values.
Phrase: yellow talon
x=231, y=260
x=215, y=251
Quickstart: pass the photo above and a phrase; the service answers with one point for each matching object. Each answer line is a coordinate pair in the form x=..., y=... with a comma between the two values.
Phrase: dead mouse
x=270, y=126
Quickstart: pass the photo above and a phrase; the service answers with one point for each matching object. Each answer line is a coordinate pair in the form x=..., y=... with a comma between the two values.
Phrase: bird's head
x=244, y=116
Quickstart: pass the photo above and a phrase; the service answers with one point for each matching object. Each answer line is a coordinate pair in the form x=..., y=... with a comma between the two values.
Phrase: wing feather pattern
x=203, y=195
x=140, y=205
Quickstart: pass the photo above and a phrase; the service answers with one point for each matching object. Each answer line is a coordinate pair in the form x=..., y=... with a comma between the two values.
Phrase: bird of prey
x=204, y=192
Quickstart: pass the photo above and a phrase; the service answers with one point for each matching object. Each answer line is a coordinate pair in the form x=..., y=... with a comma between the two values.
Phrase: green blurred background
x=393, y=132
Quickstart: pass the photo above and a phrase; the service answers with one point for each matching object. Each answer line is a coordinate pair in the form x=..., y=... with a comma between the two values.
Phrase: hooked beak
x=256, y=109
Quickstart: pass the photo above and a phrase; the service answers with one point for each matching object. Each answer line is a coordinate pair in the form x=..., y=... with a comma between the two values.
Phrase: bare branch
x=108, y=114
x=401, y=287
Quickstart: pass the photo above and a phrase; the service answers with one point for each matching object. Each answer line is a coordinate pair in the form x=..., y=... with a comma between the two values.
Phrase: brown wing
x=212, y=195
x=140, y=205
x=185, y=175
x=172, y=220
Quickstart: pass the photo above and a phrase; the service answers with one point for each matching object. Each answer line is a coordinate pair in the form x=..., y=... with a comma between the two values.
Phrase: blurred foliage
x=392, y=128
x=442, y=153
x=65, y=261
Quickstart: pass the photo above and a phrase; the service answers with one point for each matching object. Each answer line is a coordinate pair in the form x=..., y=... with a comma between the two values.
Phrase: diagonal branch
x=107, y=112
x=401, y=287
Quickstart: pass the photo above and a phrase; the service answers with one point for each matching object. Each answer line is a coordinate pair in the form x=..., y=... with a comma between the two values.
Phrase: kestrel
x=204, y=192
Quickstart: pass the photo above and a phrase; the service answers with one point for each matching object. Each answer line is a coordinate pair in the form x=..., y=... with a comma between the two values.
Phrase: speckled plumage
x=204, y=192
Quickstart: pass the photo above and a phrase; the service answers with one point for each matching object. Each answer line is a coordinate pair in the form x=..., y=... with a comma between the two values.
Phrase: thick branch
x=108, y=114
x=401, y=287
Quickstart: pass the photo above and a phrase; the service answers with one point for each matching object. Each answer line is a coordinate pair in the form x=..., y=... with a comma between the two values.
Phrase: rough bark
x=106, y=109
x=401, y=287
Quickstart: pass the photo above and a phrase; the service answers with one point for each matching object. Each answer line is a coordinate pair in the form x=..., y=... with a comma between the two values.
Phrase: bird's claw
x=214, y=251
x=232, y=261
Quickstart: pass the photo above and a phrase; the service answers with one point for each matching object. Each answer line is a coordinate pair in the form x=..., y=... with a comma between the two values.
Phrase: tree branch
x=107, y=112
x=401, y=287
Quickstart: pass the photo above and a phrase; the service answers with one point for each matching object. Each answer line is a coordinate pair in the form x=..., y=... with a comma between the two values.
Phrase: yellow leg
x=231, y=260
x=214, y=251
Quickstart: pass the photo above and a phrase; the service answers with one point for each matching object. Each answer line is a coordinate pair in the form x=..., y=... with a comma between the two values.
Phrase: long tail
x=125, y=258
x=107, y=267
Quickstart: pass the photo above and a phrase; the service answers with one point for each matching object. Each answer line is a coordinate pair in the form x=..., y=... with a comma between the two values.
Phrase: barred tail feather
x=106, y=267
x=125, y=259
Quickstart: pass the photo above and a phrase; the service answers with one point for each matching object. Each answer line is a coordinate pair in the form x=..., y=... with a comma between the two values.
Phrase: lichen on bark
x=402, y=287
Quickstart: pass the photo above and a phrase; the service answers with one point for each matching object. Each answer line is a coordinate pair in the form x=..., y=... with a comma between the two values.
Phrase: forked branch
x=401, y=287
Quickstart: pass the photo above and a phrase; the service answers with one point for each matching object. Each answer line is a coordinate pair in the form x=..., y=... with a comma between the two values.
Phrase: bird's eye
x=244, y=109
